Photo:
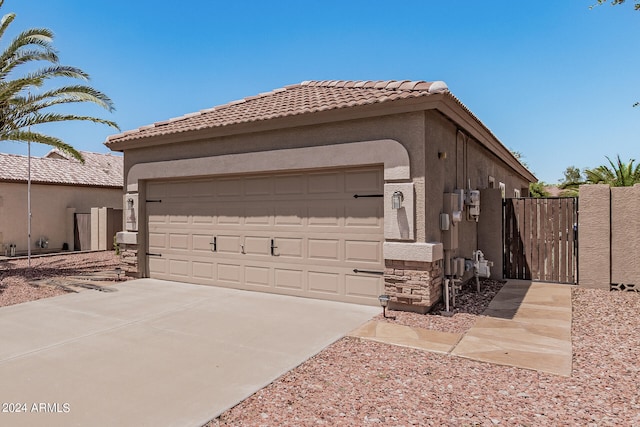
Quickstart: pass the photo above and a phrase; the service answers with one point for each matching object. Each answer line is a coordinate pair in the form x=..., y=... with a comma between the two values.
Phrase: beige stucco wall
x=490, y=230
x=625, y=235
x=594, y=231
x=49, y=209
x=466, y=161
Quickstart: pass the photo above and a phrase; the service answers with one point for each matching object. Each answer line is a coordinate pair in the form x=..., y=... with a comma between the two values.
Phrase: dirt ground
x=20, y=283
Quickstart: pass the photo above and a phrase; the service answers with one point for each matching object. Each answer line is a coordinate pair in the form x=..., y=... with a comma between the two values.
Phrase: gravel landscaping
x=16, y=277
x=359, y=382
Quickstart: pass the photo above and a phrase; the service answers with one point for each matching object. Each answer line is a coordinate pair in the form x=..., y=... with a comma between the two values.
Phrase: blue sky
x=555, y=81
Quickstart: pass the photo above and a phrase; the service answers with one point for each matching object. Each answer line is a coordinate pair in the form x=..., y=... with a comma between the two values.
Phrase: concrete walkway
x=527, y=325
x=155, y=353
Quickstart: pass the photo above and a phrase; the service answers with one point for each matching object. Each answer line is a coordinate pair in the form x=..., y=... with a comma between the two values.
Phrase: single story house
x=63, y=193
x=338, y=190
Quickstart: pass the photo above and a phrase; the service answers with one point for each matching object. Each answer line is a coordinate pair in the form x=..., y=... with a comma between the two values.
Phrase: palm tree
x=21, y=106
x=618, y=175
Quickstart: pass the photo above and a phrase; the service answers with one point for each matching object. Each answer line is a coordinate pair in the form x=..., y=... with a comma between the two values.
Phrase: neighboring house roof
x=99, y=170
x=308, y=98
x=553, y=190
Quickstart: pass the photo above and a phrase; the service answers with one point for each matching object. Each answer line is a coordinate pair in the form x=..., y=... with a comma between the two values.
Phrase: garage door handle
x=150, y=254
x=380, y=273
x=214, y=244
x=273, y=248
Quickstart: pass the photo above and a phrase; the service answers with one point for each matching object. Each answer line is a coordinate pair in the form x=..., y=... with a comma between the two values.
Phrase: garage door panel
x=199, y=189
x=229, y=273
x=362, y=215
x=178, y=241
x=258, y=216
x=202, y=270
x=325, y=183
x=364, y=180
x=228, y=244
x=325, y=214
x=368, y=287
x=324, y=283
x=157, y=240
x=320, y=231
x=324, y=249
x=254, y=275
x=178, y=219
x=203, y=219
x=257, y=245
x=289, y=278
x=289, y=215
x=230, y=215
x=158, y=265
x=363, y=251
x=289, y=247
x=290, y=184
x=227, y=187
x=258, y=186
x=201, y=243
x=179, y=267
x=157, y=218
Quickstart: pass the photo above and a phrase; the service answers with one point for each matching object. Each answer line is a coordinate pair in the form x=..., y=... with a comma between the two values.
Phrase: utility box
x=451, y=202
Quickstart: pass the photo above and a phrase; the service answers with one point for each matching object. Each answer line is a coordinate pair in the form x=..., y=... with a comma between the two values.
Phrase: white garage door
x=301, y=234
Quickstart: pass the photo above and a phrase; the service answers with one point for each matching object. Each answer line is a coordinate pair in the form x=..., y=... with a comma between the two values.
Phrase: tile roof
x=99, y=170
x=303, y=98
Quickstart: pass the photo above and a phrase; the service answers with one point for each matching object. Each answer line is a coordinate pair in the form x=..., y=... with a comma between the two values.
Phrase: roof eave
x=445, y=102
x=298, y=120
x=64, y=184
x=452, y=108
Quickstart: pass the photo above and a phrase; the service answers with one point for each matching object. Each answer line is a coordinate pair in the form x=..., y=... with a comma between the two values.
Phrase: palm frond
x=6, y=21
x=26, y=56
x=39, y=119
x=71, y=94
x=35, y=37
x=617, y=174
x=27, y=136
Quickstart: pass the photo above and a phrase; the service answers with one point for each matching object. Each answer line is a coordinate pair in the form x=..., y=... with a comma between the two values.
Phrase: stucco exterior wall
x=490, y=229
x=625, y=236
x=594, y=231
x=609, y=237
x=51, y=209
x=465, y=161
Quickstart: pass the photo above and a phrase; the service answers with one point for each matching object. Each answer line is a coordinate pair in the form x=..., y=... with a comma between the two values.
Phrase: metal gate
x=541, y=239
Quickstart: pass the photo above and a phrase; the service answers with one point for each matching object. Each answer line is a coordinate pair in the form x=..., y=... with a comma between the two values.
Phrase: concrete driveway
x=155, y=352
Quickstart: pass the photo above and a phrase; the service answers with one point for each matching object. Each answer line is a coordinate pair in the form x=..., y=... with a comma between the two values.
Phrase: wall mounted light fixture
x=397, y=199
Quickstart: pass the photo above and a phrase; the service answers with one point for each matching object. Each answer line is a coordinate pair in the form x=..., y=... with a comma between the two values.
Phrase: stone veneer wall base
x=129, y=256
x=413, y=285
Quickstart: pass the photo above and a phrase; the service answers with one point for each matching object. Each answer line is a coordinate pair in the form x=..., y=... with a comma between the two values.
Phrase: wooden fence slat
x=527, y=237
x=555, y=218
x=535, y=243
x=562, y=239
x=507, y=238
x=514, y=245
x=572, y=221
